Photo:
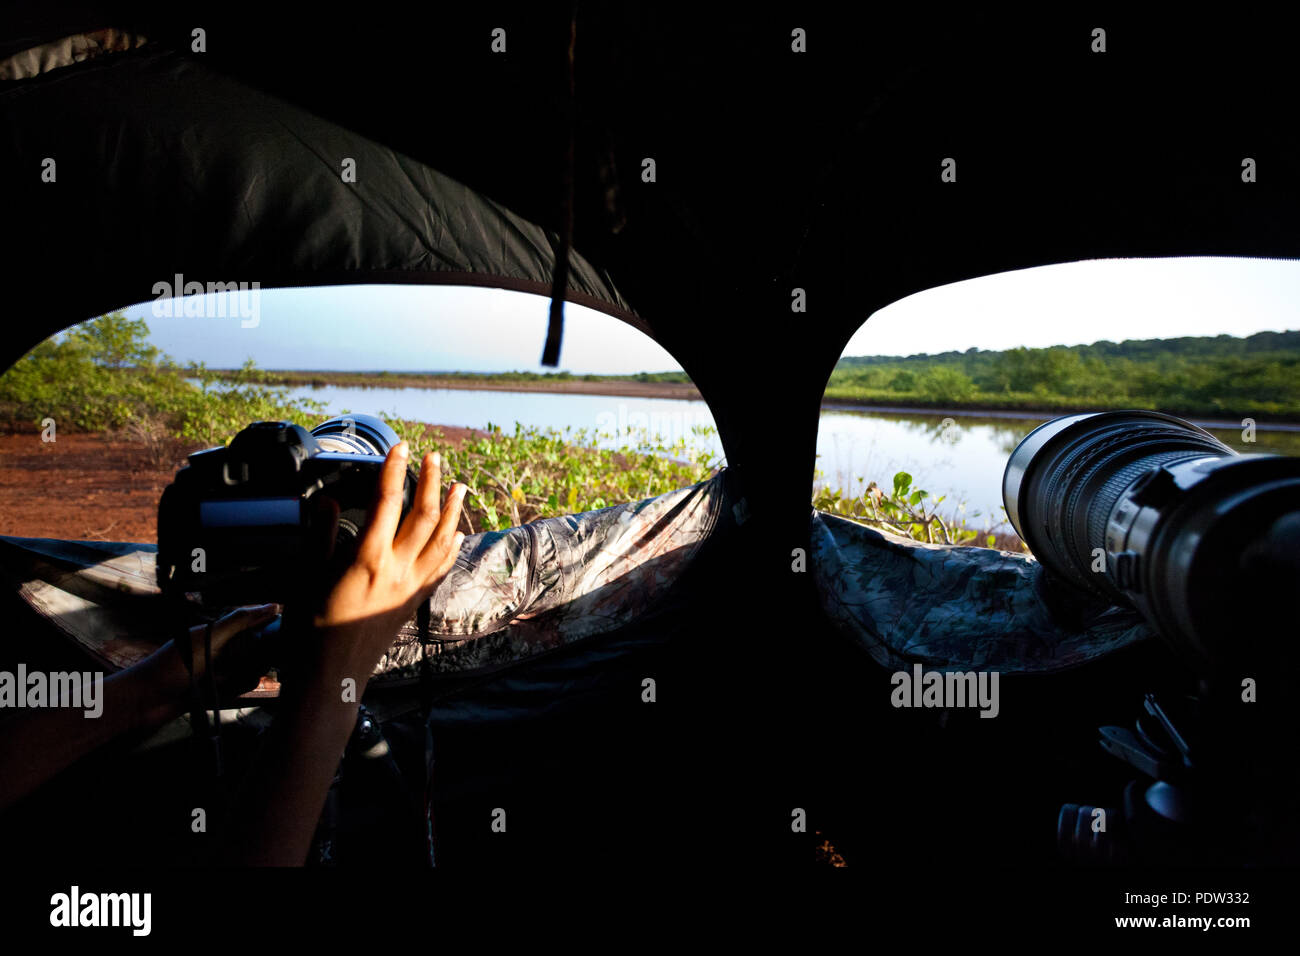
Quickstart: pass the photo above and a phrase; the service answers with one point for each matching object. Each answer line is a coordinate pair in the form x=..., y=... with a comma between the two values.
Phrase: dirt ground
x=91, y=486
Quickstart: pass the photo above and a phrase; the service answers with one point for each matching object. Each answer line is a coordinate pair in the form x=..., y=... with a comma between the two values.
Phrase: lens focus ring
x=1075, y=479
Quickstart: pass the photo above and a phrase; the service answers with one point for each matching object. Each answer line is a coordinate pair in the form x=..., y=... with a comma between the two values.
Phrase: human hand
x=394, y=569
x=237, y=663
x=40, y=743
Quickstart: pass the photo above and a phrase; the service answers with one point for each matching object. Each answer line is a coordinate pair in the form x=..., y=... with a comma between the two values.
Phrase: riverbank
x=686, y=391
x=1018, y=414
x=486, y=383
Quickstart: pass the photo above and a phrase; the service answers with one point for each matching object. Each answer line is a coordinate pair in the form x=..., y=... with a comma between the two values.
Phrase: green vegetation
x=104, y=375
x=904, y=510
x=1212, y=376
x=532, y=473
x=1219, y=376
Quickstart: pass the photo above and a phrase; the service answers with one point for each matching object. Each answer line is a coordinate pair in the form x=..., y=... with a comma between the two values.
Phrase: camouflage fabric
x=951, y=607
x=511, y=594
x=516, y=593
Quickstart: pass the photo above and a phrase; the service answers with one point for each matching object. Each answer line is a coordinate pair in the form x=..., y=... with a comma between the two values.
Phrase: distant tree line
x=1209, y=375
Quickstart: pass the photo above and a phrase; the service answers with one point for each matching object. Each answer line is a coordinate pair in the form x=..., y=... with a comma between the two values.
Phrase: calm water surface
x=958, y=456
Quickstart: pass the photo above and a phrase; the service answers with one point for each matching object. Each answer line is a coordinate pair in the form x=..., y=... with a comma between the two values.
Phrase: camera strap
x=206, y=737
x=422, y=621
x=208, y=672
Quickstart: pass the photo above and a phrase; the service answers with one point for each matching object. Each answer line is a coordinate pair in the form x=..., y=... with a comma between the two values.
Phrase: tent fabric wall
x=65, y=52
x=951, y=607
x=174, y=170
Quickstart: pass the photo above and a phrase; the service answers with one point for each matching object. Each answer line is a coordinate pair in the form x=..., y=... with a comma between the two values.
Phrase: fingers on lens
x=430, y=490
x=426, y=514
x=388, y=505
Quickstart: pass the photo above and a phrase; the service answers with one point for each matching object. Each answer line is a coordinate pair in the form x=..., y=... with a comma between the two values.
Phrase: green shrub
x=530, y=473
x=103, y=374
x=903, y=510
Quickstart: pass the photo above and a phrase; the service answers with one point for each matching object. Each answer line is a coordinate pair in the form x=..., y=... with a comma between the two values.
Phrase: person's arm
x=35, y=745
x=360, y=617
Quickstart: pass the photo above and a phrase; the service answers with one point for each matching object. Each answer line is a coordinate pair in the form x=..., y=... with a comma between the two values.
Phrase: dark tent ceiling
x=774, y=169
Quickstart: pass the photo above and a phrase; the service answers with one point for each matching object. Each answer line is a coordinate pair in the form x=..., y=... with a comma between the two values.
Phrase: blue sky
x=426, y=328
x=405, y=328
x=1079, y=303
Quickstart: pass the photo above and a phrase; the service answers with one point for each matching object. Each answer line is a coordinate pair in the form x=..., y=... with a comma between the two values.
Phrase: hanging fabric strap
x=560, y=277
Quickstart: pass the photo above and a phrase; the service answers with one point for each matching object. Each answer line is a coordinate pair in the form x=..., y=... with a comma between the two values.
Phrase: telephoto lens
x=1150, y=511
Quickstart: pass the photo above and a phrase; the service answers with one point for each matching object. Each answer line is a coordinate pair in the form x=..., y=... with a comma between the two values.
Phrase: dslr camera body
x=247, y=523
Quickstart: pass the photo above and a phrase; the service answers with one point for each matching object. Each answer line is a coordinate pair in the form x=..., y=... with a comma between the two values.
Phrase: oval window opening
x=126, y=397
x=935, y=391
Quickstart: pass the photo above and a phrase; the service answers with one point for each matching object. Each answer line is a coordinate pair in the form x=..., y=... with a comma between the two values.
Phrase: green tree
x=944, y=384
x=904, y=380
x=114, y=341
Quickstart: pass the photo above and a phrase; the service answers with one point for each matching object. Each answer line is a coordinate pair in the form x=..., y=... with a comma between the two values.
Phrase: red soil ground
x=91, y=486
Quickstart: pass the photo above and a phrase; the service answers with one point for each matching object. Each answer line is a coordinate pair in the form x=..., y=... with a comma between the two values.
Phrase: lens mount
x=358, y=434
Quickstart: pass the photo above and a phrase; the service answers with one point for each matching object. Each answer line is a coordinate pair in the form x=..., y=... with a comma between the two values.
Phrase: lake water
x=959, y=456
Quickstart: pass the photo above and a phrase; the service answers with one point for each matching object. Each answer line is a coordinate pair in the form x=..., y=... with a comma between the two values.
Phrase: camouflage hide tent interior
x=515, y=595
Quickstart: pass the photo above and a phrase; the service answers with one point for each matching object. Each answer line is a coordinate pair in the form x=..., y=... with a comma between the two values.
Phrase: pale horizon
x=1114, y=300
x=415, y=328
